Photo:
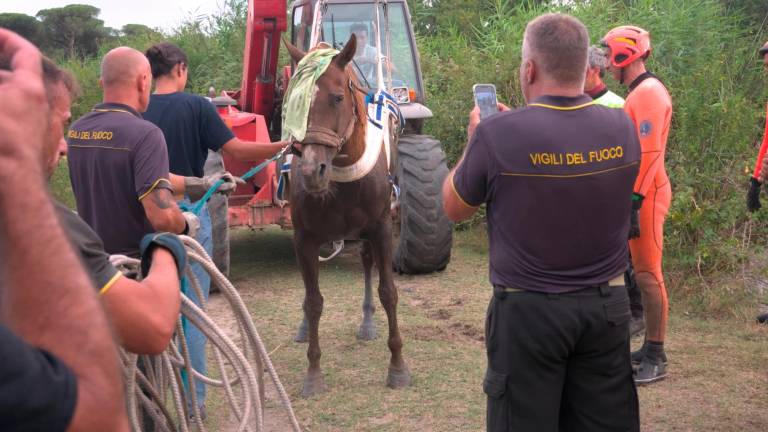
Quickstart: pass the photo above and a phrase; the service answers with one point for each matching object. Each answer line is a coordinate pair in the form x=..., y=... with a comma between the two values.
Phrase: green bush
x=705, y=56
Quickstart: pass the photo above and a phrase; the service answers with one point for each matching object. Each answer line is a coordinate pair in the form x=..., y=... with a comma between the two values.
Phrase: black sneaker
x=762, y=318
x=650, y=370
x=637, y=356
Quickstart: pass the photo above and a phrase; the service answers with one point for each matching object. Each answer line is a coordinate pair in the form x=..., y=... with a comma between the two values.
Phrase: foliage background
x=704, y=51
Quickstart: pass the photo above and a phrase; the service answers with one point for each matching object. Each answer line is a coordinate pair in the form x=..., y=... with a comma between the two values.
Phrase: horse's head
x=331, y=121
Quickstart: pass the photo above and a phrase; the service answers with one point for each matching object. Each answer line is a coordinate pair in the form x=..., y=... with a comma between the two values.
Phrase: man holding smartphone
x=557, y=178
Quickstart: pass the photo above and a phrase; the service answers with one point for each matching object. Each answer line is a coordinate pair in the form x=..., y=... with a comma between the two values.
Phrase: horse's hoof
x=367, y=332
x=398, y=377
x=302, y=335
x=313, y=385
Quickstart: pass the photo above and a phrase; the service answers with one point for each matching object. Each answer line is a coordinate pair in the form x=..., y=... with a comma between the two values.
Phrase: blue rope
x=198, y=206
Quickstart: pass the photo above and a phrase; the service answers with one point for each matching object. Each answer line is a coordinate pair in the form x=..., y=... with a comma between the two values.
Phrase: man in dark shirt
x=144, y=314
x=557, y=178
x=192, y=127
x=58, y=364
x=118, y=162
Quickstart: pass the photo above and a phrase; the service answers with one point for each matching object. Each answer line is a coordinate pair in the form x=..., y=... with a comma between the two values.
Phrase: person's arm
x=163, y=212
x=144, y=313
x=47, y=299
x=177, y=184
x=152, y=184
x=250, y=151
x=466, y=186
x=758, y=175
x=761, y=162
x=651, y=120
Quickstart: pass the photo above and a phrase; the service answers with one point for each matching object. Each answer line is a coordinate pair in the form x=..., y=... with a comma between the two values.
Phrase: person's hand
x=501, y=107
x=753, y=195
x=167, y=241
x=22, y=130
x=193, y=223
x=230, y=183
x=196, y=187
x=474, y=120
x=634, y=216
x=763, y=168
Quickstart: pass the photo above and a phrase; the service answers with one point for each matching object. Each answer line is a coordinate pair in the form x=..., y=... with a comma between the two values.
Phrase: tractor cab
x=335, y=20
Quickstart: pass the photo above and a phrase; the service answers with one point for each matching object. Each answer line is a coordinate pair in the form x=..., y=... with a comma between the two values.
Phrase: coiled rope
x=154, y=384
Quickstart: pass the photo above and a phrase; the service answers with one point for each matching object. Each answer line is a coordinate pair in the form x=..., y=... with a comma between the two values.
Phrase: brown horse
x=323, y=210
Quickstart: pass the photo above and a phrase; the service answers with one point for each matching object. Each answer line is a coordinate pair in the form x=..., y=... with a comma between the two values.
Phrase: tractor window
x=341, y=20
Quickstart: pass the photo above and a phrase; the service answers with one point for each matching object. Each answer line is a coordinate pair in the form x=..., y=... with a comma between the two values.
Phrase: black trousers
x=560, y=362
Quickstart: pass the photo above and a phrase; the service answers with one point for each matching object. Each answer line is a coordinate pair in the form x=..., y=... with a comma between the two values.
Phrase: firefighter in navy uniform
x=557, y=179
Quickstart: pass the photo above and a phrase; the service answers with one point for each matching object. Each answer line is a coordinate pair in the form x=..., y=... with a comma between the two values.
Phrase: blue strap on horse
x=197, y=207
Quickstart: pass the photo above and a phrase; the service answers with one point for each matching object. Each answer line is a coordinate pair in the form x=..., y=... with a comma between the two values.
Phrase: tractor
x=423, y=232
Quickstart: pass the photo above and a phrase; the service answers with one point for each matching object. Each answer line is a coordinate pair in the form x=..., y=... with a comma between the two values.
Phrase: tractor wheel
x=426, y=234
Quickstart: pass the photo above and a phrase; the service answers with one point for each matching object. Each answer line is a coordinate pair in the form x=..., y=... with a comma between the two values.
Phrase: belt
x=618, y=281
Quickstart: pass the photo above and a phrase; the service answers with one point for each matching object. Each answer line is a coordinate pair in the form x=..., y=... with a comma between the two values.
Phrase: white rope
x=154, y=381
x=338, y=246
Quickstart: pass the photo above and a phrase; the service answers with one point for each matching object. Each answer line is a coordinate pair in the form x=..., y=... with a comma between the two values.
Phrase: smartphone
x=485, y=99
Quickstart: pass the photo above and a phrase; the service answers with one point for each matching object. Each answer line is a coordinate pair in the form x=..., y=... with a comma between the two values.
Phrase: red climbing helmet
x=626, y=44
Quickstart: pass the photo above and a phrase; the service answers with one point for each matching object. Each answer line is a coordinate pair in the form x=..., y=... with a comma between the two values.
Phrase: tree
x=73, y=29
x=25, y=25
x=139, y=31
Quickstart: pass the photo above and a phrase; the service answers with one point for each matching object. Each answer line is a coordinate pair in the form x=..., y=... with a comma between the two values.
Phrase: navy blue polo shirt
x=115, y=160
x=191, y=127
x=38, y=392
x=557, y=178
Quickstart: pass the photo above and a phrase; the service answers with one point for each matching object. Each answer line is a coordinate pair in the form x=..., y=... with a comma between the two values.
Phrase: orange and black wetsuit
x=650, y=108
x=753, y=196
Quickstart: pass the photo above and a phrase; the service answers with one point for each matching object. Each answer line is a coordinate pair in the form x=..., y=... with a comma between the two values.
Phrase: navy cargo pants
x=560, y=362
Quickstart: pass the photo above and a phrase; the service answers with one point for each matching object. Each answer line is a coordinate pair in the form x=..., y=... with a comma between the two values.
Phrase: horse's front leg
x=307, y=250
x=367, y=330
x=381, y=240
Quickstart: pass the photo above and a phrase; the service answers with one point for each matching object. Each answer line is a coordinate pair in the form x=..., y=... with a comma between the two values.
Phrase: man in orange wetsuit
x=650, y=108
x=759, y=174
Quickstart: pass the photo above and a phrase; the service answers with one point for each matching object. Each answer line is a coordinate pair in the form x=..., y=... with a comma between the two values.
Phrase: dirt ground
x=718, y=368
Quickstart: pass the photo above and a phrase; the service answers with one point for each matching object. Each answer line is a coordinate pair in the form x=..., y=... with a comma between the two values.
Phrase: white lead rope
x=159, y=379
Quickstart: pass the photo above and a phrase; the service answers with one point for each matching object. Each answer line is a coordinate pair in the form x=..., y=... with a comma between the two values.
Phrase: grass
x=717, y=366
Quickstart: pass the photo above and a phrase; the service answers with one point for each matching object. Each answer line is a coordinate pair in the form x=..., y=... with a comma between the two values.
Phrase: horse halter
x=328, y=137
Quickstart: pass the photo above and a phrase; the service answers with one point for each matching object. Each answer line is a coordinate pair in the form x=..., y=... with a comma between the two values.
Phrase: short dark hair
x=53, y=75
x=163, y=57
x=559, y=43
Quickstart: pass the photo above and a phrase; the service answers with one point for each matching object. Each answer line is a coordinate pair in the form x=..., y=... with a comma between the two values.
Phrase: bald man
x=118, y=162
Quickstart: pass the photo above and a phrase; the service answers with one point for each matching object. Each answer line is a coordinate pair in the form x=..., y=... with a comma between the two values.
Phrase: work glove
x=196, y=187
x=165, y=240
x=753, y=196
x=193, y=224
x=634, y=216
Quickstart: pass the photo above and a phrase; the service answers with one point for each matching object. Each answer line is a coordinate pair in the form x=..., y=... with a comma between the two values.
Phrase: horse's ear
x=348, y=53
x=296, y=54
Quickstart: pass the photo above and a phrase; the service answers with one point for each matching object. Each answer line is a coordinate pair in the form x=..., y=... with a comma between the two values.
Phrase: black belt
x=618, y=281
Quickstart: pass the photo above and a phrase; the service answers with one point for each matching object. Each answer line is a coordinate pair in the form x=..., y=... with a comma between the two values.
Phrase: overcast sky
x=165, y=14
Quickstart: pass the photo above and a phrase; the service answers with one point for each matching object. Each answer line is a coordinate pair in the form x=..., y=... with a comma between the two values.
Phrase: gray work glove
x=193, y=224
x=196, y=187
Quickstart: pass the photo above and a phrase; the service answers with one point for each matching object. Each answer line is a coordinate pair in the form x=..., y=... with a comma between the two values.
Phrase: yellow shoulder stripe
x=563, y=108
x=112, y=110
x=458, y=195
x=111, y=282
x=154, y=186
